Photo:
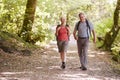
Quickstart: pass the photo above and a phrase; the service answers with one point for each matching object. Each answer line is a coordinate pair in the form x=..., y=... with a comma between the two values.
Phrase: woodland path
x=46, y=66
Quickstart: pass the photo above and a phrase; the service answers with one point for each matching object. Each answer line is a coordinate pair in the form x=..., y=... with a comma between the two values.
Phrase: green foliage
x=116, y=48
x=11, y=15
x=103, y=26
x=14, y=41
x=41, y=32
x=47, y=15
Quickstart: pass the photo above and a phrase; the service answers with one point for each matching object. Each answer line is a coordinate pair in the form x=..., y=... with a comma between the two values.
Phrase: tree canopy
x=47, y=16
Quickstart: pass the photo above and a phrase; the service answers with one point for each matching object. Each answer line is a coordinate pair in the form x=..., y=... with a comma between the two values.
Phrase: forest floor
x=44, y=64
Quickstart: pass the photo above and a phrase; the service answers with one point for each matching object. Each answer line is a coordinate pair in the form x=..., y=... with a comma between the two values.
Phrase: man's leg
x=80, y=53
x=85, y=52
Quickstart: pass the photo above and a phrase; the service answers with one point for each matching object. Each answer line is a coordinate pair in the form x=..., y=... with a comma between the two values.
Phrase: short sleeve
x=91, y=26
x=76, y=26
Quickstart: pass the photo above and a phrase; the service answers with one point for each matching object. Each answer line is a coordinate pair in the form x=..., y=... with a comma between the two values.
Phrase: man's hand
x=75, y=37
x=94, y=36
x=74, y=34
x=94, y=40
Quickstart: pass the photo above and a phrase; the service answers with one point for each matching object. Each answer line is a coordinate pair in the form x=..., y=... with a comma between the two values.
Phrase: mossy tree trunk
x=112, y=34
x=28, y=20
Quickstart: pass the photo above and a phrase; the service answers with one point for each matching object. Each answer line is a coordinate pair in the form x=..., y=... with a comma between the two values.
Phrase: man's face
x=82, y=17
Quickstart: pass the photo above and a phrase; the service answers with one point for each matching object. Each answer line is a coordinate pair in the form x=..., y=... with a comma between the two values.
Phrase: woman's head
x=63, y=19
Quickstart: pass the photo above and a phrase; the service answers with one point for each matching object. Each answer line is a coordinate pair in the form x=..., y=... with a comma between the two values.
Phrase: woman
x=62, y=34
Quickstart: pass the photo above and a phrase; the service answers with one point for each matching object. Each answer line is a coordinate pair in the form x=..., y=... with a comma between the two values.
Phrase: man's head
x=82, y=17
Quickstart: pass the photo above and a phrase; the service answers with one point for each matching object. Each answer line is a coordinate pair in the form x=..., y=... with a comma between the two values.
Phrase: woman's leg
x=63, y=59
x=63, y=53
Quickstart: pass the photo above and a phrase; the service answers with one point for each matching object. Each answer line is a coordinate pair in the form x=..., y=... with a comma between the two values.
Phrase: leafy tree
x=112, y=34
x=28, y=20
x=11, y=15
x=14, y=19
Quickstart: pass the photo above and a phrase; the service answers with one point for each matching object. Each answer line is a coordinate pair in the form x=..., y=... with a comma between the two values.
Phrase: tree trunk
x=112, y=34
x=28, y=20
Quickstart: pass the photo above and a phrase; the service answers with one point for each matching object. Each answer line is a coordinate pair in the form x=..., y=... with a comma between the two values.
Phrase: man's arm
x=94, y=36
x=74, y=34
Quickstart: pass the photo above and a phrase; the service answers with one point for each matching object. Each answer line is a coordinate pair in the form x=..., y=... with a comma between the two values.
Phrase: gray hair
x=81, y=13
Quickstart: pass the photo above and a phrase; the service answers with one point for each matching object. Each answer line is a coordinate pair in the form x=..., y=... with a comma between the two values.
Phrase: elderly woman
x=62, y=35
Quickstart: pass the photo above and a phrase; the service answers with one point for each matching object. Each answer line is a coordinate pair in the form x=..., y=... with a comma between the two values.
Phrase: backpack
x=58, y=27
x=87, y=26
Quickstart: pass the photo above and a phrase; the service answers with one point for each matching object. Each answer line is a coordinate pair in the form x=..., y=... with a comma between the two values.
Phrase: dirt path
x=46, y=66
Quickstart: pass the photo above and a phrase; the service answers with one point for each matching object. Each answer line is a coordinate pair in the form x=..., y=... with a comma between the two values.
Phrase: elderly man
x=84, y=29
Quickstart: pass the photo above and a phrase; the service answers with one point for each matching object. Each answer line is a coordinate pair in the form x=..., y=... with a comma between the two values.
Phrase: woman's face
x=63, y=20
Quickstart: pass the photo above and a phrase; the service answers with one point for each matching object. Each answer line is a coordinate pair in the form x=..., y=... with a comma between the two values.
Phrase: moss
x=12, y=43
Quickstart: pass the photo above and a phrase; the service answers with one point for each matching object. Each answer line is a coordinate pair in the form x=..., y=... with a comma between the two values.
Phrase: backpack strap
x=78, y=24
x=67, y=26
x=58, y=26
x=87, y=25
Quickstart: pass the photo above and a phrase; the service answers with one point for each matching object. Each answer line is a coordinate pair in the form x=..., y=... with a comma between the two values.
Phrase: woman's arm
x=68, y=29
x=57, y=29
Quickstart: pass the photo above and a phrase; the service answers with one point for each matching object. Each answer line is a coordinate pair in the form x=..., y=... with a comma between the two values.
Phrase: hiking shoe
x=80, y=67
x=84, y=68
x=63, y=66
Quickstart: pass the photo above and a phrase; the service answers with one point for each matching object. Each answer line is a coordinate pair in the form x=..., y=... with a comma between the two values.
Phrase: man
x=62, y=36
x=84, y=29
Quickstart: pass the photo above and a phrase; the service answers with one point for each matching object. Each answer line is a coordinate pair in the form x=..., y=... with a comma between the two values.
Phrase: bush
x=116, y=49
x=102, y=26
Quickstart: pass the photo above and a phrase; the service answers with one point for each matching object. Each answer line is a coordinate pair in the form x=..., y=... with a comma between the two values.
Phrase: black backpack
x=87, y=25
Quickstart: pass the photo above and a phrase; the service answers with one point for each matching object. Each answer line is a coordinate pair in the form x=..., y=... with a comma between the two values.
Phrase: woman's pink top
x=63, y=34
